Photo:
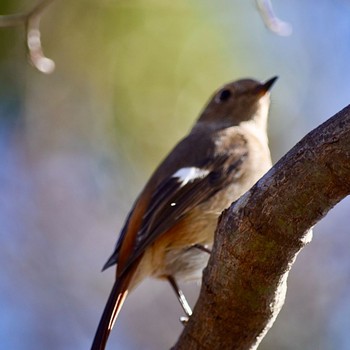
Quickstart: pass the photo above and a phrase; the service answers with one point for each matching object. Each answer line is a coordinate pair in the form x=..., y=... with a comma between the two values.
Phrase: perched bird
x=170, y=229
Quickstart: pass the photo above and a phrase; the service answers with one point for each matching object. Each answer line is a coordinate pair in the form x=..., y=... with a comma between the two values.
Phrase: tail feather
x=114, y=304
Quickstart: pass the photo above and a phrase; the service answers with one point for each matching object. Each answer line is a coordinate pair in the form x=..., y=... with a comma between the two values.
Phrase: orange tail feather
x=114, y=304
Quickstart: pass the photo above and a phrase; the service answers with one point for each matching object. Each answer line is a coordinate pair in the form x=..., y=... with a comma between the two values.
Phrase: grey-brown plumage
x=175, y=216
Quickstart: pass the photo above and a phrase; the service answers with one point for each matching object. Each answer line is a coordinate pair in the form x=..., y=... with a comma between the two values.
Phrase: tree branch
x=31, y=20
x=259, y=236
x=272, y=22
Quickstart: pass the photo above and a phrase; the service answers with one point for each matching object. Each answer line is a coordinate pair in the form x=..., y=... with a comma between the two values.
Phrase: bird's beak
x=265, y=87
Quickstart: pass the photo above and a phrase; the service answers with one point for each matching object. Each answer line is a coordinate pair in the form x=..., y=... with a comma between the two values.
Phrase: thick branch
x=259, y=236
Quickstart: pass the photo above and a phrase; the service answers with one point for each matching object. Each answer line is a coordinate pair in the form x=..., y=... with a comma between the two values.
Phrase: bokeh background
x=77, y=146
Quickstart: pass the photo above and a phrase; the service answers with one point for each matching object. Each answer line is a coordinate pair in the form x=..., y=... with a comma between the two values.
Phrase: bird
x=170, y=229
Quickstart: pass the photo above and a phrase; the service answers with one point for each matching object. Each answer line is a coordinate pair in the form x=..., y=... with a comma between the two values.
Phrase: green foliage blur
x=143, y=67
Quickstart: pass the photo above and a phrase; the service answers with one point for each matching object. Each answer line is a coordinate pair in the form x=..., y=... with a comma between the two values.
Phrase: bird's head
x=239, y=101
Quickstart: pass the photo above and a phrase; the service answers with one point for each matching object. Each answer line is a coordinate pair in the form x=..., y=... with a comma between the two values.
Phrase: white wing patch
x=186, y=175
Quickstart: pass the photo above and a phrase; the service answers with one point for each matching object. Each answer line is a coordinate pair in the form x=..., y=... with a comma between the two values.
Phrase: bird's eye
x=223, y=95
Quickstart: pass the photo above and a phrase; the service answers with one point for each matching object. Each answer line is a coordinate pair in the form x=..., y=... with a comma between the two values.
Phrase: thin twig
x=40, y=7
x=12, y=20
x=271, y=21
x=31, y=21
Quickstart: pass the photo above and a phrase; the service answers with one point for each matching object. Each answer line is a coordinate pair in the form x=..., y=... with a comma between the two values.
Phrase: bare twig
x=12, y=20
x=31, y=21
x=271, y=21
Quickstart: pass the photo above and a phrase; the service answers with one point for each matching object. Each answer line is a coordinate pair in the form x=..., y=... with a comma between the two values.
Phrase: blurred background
x=77, y=146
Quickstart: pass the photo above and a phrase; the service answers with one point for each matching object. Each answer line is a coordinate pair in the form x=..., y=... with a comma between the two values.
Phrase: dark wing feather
x=161, y=214
x=113, y=259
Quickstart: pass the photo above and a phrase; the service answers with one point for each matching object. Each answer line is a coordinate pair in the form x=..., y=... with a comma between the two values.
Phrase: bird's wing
x=177, y=194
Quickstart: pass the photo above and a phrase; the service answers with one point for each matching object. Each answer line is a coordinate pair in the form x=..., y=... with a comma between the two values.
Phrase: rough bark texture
x=259, y=236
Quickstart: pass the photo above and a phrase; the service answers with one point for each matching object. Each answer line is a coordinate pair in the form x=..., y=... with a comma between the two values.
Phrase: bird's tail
x=114, y=304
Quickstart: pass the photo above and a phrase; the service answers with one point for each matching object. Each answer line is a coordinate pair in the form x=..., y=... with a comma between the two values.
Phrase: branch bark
x=260, y=235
